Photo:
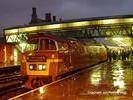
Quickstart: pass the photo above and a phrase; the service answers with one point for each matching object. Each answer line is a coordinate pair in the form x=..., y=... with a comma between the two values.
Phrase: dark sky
x=18, y=12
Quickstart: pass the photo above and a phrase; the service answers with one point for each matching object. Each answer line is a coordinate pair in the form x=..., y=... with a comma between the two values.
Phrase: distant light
x=119, y=83
x=118, y=39
x=125, y=45
x=122, y=41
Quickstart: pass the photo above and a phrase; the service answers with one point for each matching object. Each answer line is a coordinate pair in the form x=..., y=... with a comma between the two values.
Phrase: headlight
x=41, y=67
x=33, y=67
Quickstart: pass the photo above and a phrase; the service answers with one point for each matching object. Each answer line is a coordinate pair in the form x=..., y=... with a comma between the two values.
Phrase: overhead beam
x=60, y=26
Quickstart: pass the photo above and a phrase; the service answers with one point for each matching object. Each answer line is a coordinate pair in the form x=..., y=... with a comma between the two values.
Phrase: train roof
x=45, y=36
x=84, y=41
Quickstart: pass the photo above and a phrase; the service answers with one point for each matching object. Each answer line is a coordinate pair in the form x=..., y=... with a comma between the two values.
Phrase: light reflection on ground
x=107, y=81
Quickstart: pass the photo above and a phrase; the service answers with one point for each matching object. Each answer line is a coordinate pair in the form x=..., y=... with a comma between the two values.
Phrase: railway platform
x=106, y=81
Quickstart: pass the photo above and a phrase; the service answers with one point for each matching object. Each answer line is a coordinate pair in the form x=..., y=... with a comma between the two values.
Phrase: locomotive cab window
x=46, y=44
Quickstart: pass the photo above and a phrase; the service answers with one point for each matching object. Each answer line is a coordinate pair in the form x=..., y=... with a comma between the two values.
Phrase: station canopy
x=19, y=34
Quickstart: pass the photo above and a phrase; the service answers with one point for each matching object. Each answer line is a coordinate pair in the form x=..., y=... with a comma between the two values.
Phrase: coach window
x=62, y=46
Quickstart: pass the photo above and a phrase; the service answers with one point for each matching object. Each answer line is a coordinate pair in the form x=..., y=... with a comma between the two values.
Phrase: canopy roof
x=58, y=25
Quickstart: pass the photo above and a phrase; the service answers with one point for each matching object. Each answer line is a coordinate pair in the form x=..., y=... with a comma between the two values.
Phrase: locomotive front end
x=37, y=67
x=41, y=65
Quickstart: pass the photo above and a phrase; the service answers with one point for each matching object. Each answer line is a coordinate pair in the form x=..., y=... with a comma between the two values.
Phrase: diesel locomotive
x=55, y=56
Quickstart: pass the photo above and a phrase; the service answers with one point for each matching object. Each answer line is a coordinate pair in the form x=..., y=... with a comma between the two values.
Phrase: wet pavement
x=107, y=81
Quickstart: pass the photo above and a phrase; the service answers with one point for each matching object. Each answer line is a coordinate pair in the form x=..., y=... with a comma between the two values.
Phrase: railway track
x=9, y=78
x=11, y=83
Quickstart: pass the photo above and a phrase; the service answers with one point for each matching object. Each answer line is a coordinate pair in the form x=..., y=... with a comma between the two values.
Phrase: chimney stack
x=60, y=19
x=48, y=17
x=54, y=18
x=34, y=16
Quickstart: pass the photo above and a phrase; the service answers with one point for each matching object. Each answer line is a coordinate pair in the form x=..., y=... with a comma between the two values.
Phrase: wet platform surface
x=107, y=81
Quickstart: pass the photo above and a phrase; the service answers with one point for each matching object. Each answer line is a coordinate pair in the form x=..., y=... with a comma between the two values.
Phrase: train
x=54, y=56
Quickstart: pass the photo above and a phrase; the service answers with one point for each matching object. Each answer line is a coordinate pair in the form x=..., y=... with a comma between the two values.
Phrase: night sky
x=18, y=12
